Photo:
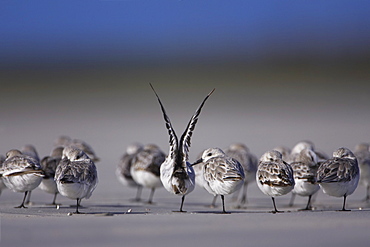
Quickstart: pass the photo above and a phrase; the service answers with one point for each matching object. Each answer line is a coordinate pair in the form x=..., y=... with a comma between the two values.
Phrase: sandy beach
x=109, y=109
x=116, y=221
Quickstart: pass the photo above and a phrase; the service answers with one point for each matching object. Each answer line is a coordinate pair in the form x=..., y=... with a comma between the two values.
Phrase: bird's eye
x=209, y=154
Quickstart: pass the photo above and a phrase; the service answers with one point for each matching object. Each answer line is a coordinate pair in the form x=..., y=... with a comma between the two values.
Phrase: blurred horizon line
x=277, y=60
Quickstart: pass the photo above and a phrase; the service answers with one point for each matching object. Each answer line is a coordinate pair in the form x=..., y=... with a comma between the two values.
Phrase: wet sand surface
x=262, y=108
x=116, y=221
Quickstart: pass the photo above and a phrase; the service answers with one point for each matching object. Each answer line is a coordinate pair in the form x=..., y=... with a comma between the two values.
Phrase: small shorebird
x=66, y=141
x=76, y=176
x=249, y=162
x=285, y=152
x=49, y=165
x=296, y=150
x=82, y=145
x=294, y=156
x=362, y=154
x=304, y=171
x=222, y=175
x=199, y=180
x=62, y=141
x=145, y=168
x=274, y=176
x=21, y=173
x=31, y=151
x=339, y=175
x=177, y=175
x=123, y=172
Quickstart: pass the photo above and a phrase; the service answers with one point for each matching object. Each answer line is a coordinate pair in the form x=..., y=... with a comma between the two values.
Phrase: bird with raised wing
x=177, y=175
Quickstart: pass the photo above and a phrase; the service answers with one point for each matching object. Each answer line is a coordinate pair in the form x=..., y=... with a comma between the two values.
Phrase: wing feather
x=337, y=170
x=173, y=138
x=186, y=136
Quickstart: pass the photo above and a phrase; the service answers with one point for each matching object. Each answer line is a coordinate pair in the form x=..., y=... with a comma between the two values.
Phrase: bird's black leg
x=138, y=193
x=55, y=197
x=223, y=204
x=182, y=203
x=308, y=206
x=24, y=199
x=344, y=204
x=275, y=209
x=77, y=205
x=28, y=200
x=150, y=201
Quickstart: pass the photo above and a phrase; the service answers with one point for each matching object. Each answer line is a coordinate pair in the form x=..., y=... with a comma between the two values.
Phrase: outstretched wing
x=171, y=131
x=186, y=136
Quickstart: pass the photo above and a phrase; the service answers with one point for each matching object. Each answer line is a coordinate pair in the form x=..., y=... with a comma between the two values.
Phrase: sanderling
x=339, y=176
x=82, y=145
x=123, y=169
x=199, y=180
x=362, y=154
x=31, y=151
x=49, y=165
x=294, y=155
x=285, y=152
x=222, y=174
x=2, y=185
x=145, y=168
x=296, y=150
x=304, y=171
x=177, y=175
x=21, y=173
x=249, y=161
x=65, y=141
x=76, y=175
x=274, y=176
x=62, y=141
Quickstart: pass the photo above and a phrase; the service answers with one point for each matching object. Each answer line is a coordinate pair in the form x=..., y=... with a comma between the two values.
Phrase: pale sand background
x=261, y=106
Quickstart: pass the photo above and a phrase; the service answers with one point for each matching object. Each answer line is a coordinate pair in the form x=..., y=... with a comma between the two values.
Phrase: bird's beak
x=197, y=162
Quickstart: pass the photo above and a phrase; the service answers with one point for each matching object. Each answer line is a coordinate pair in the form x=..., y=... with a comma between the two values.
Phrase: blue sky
x=57, y=32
